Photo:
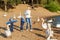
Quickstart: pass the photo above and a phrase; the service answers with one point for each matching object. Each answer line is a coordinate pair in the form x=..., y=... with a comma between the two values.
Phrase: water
x=56, y=20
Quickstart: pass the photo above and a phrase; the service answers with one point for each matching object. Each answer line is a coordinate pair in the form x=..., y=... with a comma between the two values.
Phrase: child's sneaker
x=21, y=30
x=31, y=30
x=27, y=30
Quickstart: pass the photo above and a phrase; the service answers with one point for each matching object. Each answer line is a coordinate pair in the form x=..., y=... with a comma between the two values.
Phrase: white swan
x=14, y=16
x=50, y=20
x=19, y=16
x=44, y=25
x=5, y=14
x=47, y=26
x=38, y=19
x=49, y=32
x=7, y=32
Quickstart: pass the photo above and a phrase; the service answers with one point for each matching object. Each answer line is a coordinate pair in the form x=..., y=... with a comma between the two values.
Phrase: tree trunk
x=48, y=1
x=32, y=2
x=5, y=1
x=5, y=6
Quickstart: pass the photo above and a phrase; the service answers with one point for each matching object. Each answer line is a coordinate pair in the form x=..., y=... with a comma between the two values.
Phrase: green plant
x=14, y=2
x=53, y=6
x=18, y=1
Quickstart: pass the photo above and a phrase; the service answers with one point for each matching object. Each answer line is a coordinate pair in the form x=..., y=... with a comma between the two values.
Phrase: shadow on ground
x=2, y=35
x=37, y=29
x=3, y=28
x=40, y=35
x=57, y=31
x=16, y=27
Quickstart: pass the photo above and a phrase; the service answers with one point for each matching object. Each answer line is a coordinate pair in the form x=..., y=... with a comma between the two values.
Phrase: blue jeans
x=28, y=21
x=11, y=27
x=22, y=24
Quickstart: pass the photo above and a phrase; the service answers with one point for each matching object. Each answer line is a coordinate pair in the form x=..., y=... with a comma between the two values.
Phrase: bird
x=44, y=25
x=5, y=14
x=38, y=19
x=49, y=32
x=7, y=32
x=19, y=16
x=14, y=16
x=50, y=20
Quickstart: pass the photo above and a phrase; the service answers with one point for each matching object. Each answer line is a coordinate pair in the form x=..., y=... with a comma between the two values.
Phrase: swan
x=14, y=16
x=7, y=32
x=44, y=25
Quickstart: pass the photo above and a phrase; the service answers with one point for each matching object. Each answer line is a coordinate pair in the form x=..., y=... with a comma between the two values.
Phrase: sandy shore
x=37, y=33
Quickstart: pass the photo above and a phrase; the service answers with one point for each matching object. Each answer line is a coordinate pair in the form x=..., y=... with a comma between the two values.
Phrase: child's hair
x=10, y=18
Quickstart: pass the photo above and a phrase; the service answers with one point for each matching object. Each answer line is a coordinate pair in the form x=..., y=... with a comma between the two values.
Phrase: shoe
x=21, y=30
x=31, y=30
x=27, y=30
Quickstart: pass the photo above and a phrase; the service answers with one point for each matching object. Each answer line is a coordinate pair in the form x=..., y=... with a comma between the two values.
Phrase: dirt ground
x=38, y=32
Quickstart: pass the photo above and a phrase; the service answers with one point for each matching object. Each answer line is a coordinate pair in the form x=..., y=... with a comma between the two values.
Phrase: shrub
x=53, y=6
x=14, y=2
x=18, y=1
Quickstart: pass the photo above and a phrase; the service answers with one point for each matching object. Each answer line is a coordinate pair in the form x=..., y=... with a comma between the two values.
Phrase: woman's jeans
x=28, y=21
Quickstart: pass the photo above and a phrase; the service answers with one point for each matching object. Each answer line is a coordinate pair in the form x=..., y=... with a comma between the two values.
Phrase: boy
x=11, y=23
x=22, y=23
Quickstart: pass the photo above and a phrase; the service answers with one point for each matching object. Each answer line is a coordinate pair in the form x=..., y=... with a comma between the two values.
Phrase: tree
x=48, y=1
x=5, y=1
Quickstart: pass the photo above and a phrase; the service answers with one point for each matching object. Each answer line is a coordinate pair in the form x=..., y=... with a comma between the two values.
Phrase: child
x=22, y=23
x=11, y=22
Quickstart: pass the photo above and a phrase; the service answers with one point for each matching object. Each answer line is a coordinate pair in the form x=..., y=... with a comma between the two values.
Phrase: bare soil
x=38, y=32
